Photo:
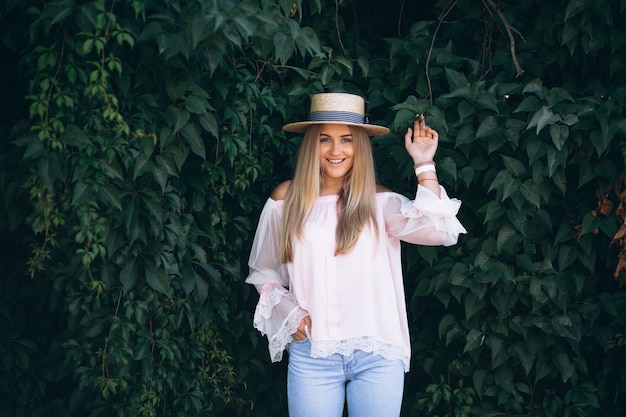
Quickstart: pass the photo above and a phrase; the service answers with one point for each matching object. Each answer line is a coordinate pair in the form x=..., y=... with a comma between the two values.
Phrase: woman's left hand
x=421, y=142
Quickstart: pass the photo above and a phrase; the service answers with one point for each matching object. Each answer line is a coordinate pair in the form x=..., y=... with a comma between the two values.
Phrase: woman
x=326, y=262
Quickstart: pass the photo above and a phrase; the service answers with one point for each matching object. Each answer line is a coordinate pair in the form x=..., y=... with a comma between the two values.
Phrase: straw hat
x=337, y=108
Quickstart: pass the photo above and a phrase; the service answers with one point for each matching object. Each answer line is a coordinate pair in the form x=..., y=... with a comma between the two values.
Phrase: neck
x=331, y=187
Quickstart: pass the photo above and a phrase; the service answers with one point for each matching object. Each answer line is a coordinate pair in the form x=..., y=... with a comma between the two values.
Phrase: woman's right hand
x=303, y=330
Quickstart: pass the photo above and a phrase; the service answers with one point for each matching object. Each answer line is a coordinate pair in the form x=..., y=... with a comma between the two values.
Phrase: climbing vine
x=143, y=138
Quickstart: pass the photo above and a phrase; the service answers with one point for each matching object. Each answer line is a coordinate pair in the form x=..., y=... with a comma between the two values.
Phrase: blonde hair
x=356, y=205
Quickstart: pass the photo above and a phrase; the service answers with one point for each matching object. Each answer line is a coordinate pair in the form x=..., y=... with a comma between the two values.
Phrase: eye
x=346, y=140
x=324, y=139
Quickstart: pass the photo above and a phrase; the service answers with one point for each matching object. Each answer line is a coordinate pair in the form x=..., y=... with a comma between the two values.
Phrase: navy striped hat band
x=337, y=116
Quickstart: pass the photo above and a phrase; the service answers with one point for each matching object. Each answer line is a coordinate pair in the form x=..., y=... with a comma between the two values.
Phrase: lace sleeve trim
x=441, y=212
x=279, y=342
x=279, y=335
x=270, y=296
x=427, y=202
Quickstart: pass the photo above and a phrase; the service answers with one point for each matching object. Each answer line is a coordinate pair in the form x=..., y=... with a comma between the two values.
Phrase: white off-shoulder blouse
x=355, y=300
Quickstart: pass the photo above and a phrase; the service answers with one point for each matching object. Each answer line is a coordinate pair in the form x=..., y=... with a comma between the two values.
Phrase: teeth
x=335, y=161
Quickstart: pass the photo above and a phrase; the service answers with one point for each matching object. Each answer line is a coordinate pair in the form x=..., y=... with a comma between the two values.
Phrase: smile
x=335, y=161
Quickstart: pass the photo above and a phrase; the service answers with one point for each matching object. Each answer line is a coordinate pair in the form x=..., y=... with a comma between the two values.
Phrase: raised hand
x=421, y=142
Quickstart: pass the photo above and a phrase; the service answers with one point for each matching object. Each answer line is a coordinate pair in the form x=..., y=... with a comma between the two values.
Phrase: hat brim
x=301, y=127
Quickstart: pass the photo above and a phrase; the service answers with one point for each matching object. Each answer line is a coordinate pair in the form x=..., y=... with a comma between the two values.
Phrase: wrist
x=428, y=179
x=424, y=167
x=427, y=174
x=422, y=163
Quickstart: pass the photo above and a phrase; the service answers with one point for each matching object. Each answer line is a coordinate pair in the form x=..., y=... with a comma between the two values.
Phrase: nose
x=334, y=148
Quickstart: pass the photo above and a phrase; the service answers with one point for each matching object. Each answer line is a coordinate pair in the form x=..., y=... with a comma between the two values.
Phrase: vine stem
x=56, y=74
x=105, y=371
x=509, y=31
x=343, y=48
x=440, y=19
x=400, y=14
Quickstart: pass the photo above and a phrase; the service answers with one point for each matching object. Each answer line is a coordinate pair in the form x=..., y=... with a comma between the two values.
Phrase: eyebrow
x=342, y=136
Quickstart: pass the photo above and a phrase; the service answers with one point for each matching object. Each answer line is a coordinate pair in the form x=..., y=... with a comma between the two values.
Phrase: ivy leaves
x=518, y=154
x=154, y=140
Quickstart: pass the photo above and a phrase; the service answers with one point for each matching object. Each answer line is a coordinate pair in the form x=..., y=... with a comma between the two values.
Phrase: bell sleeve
x=277, y=314
x=426, y=220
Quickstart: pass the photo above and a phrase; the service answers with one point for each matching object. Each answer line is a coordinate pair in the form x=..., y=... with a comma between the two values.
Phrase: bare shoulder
x=280, y=191
x=382, y=189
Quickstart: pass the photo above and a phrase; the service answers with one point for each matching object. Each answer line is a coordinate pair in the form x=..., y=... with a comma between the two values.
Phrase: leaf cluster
x=143, y=137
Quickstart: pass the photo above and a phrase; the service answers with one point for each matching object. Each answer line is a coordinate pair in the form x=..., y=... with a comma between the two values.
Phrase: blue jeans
x=319, y=387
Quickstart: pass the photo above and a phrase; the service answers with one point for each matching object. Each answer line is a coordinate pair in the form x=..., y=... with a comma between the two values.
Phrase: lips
x=335, y=161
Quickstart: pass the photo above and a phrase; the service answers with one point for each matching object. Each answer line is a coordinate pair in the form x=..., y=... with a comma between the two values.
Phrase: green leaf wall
x=140, y=139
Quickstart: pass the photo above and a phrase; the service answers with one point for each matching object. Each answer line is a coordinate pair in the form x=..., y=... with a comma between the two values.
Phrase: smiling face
x=336, y=153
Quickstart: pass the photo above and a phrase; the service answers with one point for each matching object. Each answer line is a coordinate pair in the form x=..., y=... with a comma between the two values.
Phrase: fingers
x=306, y=326
x=425, y=130
x=421, y=132
x=303, y=330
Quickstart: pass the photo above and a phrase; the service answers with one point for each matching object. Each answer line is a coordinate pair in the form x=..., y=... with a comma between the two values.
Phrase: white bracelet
x=424, y=168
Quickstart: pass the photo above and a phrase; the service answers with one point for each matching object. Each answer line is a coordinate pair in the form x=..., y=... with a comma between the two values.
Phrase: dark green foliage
x=139, y=140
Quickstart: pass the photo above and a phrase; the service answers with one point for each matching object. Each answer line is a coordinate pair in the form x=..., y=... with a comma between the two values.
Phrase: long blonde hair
x=356, y=205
